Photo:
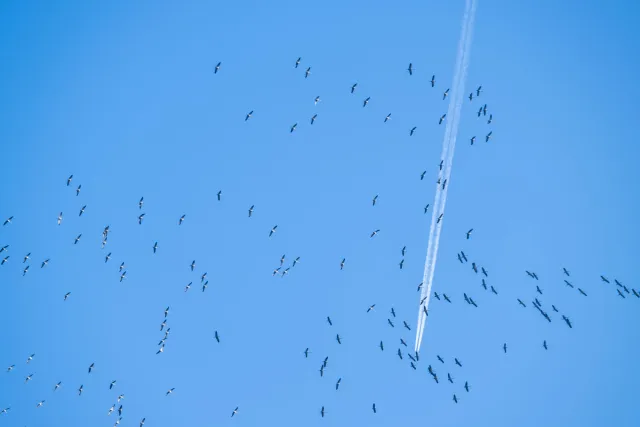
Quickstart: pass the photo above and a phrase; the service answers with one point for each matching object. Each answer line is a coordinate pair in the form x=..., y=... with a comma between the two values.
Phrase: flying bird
x=373, y=233
x=155, y=247
x=473, y=139
x=366, y=101
x=216, y=336
x=433, y=80
x=8, y=220
x=488, y=137
x=371, y=307
x=140, y=218
x=386, y=119
x=215, y=71
x=78, y=190
x=298, y=62
x=181, y=220
x=410, y=69
x=273, y=230
x=248, y=116
x=60, y=218
x=69, y=179
x=91, y=367
x=306, y=73
x=504, y=347
x=316, y=100
x=375, y=198
x=170, y=391
x=235, y=411
x=353, y=87
x=313, y=119
x=338, y=383
x=413, y=129
x=251, y=210
x=469, y=233
x=442, y=120
x=141, y=202
x=444, y=96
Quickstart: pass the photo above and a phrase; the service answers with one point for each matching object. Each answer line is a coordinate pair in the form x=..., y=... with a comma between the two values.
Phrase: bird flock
x=443, y=368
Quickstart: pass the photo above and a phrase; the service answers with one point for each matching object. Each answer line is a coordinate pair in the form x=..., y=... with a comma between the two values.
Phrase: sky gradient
x=123, y=96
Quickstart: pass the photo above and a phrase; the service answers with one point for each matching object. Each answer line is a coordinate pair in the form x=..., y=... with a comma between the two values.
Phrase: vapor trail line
x=448, y=150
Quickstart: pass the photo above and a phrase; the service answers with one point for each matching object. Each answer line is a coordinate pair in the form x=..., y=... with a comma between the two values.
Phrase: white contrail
x=448, y=150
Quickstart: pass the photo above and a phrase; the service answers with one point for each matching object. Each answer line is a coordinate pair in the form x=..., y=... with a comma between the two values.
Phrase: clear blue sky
x=123, y=96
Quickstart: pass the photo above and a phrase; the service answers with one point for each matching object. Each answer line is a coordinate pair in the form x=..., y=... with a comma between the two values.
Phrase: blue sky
x=123, y=96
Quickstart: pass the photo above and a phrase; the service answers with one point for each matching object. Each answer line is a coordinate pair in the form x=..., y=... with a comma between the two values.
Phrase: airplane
x=565, y=271
x=582, y=292
x=446, y=298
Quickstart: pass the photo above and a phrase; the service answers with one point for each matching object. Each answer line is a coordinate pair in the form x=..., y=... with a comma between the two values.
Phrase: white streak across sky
x=448, y=149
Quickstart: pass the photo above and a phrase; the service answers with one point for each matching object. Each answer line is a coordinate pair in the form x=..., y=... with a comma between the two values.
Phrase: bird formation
x=412, y=360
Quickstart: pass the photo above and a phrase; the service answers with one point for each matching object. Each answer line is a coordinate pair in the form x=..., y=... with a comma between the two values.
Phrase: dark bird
x=442, y=119
x=449, y=378
x=473, y=139
x=433, y=80
x=322, y=412
x=567, y=321
x=444, y=96
x=488, y=137
x=474, y=267
x=469, y=233
x=306, y=73
x=484, y=272
x=69, y=179
x=216, y=336
x=306, y=352
x=298, y=62
x=478, y=90
x=470, y=96
x=375, y=198
x=251, y=210
x=338, y=339
x=544, y=344
x=155, y=247
x=293, y=127
x=342, y=263
x=273, y=230
x=464, y=256
x=403, y=342
x=490, y=119
x=400, y=353
x=401, y=264
x=329, y=321
x=373, y=233
x=538, y=290
x=219, y=195
x=374, y=408
x=235, y=411
x=91, y=367
x=440, y=358
x=78, y=190
x=493, y=290
x=316, y=100
x=8, y=221
x=338, y=383
x=181, y=220
x=413, y=129
x=215, y=71
x=404, y=249
x=390, y=323
x=82, y=210
x=371, y=307
x=504, y=347
x=565, y=271
x=381, y=346
x=619, y=293
x=457, y=362
x=604, y=279
x=353, y=87
x=410, y=69
x=406, y=325
x=446, y=298
x=313, y=119
x=466, y=386
x=393, y=312
x=426, y=208
x=484, y=109
x=455, y=399
x=582, y=292
x=366, y=101
x=521, y=303
x=141, y=202
x=568, y=283
x=435, y=294
x=386, y=119
x=439, y=219
x=422, y=175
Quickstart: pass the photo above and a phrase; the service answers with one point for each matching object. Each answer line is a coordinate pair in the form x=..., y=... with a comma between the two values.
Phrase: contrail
x=448, y=150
